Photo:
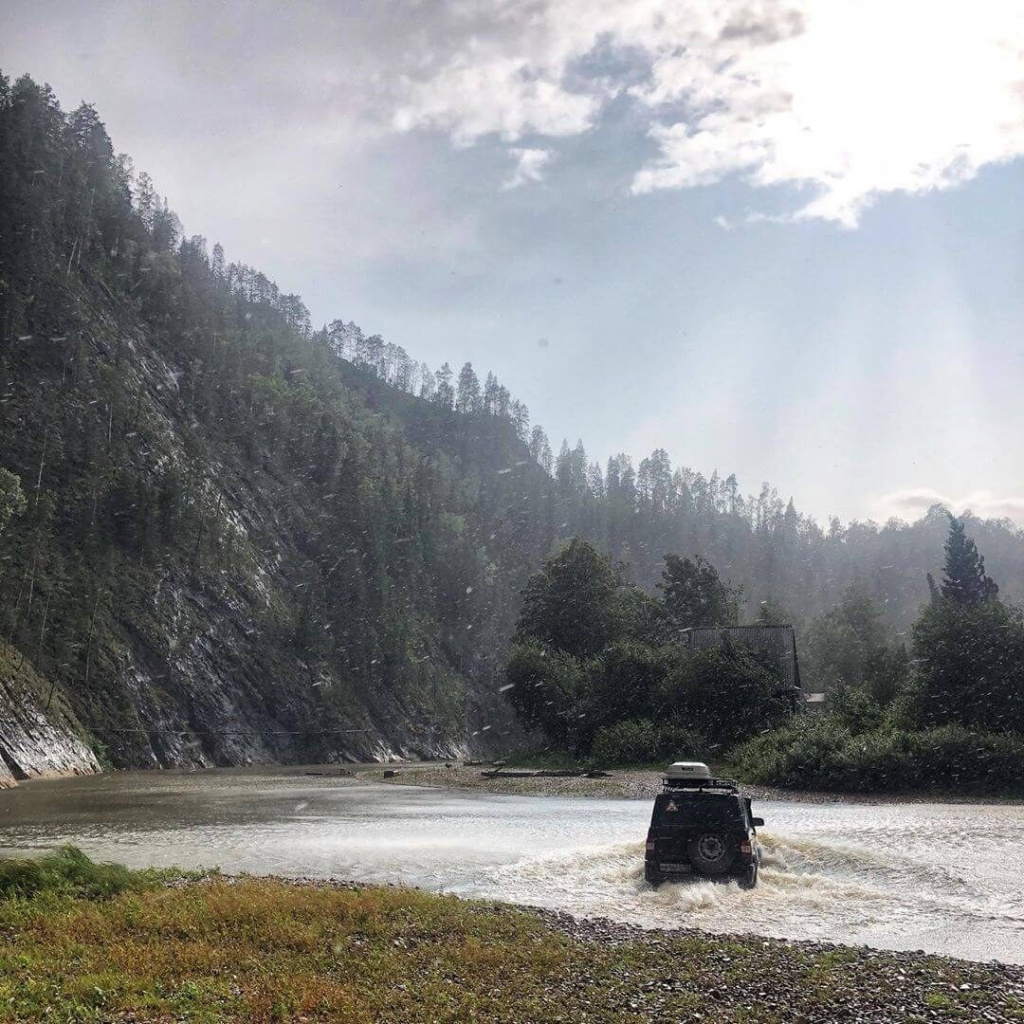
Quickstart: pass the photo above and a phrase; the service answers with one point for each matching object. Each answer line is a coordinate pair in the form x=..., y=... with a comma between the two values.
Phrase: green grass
x=67, y=871
x=87, y=942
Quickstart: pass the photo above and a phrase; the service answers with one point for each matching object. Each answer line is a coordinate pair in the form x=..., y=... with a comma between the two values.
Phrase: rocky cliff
x=220, y=541
x=38, y=735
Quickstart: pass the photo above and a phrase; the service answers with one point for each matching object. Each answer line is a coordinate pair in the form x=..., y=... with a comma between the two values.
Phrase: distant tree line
x=393, y=365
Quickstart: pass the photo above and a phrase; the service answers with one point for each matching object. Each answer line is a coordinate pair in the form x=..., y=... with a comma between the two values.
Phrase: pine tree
x=146, y=199
x=537, y=441
x=521, y=420
x=217, y=265
x=964, y=581
x=467, y=397
x=444, y=393
x=428, y=383
x=563, y=465
x=491, y=395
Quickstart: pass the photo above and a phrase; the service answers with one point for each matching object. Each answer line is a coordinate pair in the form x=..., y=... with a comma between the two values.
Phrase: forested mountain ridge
x=244, y=539
x=231, y=549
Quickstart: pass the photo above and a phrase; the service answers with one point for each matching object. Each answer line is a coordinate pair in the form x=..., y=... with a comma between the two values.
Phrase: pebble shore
x=626, y=783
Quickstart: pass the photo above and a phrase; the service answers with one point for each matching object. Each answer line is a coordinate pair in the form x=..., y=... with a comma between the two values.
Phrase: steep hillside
x=237, y=547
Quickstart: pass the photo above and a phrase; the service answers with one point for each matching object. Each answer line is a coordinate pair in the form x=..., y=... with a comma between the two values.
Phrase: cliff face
x=239, y=639
x=234, y=614
x=36, y=741
x=231, y=545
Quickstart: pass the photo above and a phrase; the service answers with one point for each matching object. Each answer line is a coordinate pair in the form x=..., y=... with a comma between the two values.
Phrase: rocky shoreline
x=39, y=738
x=626, y=783
x=887, y=985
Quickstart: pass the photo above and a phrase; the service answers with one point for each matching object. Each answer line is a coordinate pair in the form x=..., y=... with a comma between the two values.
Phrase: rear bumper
x=665, y=867
x=670, y=868
x=669, y=863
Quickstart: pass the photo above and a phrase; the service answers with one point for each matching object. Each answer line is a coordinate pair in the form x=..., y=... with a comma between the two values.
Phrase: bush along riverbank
x=81, y=942
x=825, y=754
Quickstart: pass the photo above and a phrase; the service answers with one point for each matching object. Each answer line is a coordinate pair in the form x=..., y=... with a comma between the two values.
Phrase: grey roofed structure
x=779, y=640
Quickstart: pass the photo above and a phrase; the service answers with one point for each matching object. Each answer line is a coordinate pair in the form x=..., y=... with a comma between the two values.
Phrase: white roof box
x=682, y=770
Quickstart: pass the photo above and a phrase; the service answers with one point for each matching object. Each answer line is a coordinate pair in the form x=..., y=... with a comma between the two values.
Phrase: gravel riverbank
x=626, y=783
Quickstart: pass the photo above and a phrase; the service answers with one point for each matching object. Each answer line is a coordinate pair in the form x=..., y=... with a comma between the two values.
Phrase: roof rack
x=700, y=784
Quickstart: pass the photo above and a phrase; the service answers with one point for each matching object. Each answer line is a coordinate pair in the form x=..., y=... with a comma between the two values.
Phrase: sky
x=778, y=238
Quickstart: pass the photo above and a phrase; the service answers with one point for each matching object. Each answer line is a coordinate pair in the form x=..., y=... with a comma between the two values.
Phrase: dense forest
x=227, y=535
x=603, y=672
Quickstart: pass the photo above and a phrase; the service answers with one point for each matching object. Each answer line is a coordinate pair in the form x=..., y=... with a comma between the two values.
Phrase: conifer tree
x=444, y=393
x=964, y=580
x=467, y=396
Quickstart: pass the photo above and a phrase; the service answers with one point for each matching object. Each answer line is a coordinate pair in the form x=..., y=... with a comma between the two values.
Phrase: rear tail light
x=650, y=843
x=745, y=847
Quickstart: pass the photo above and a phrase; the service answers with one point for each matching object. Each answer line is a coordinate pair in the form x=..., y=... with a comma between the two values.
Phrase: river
x=942, y=878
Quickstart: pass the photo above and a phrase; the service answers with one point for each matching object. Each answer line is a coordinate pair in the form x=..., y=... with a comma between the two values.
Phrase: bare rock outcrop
x=36, y=741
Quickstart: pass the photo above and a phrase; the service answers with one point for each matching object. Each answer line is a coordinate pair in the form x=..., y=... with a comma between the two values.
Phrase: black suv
x=702, y=826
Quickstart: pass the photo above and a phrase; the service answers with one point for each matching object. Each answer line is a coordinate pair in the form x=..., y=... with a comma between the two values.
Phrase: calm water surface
x=947, y=879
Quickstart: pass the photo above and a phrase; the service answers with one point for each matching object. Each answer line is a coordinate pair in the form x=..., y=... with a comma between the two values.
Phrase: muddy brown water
x=942, y=878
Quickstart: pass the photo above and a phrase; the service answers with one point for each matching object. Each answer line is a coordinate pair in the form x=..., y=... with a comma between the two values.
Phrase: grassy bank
x=270, y=950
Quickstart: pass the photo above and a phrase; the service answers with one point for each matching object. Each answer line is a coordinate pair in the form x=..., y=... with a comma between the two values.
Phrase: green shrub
x=856, y=708
x=728, y=693
x=641, y=741
x=69, y=871
x=544, y=687
x=971, y=665
x=620, y=686
x=820, y=752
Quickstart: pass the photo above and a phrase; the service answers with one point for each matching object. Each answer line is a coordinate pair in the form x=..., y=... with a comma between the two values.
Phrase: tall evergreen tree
x=546, y=459
x=444, y=393
x=538, y=439
x=964, y=580
x=467, y=395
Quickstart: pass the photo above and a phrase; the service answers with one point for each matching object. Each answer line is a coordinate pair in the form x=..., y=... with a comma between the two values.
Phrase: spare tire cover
x=711, y=853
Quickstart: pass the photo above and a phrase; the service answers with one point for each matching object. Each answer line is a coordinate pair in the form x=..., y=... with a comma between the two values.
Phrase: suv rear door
x=681, y=816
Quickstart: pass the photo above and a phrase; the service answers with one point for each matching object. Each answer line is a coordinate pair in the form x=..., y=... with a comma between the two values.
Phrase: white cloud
x=914, y=502
x=849, y=99
x=530, y=164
